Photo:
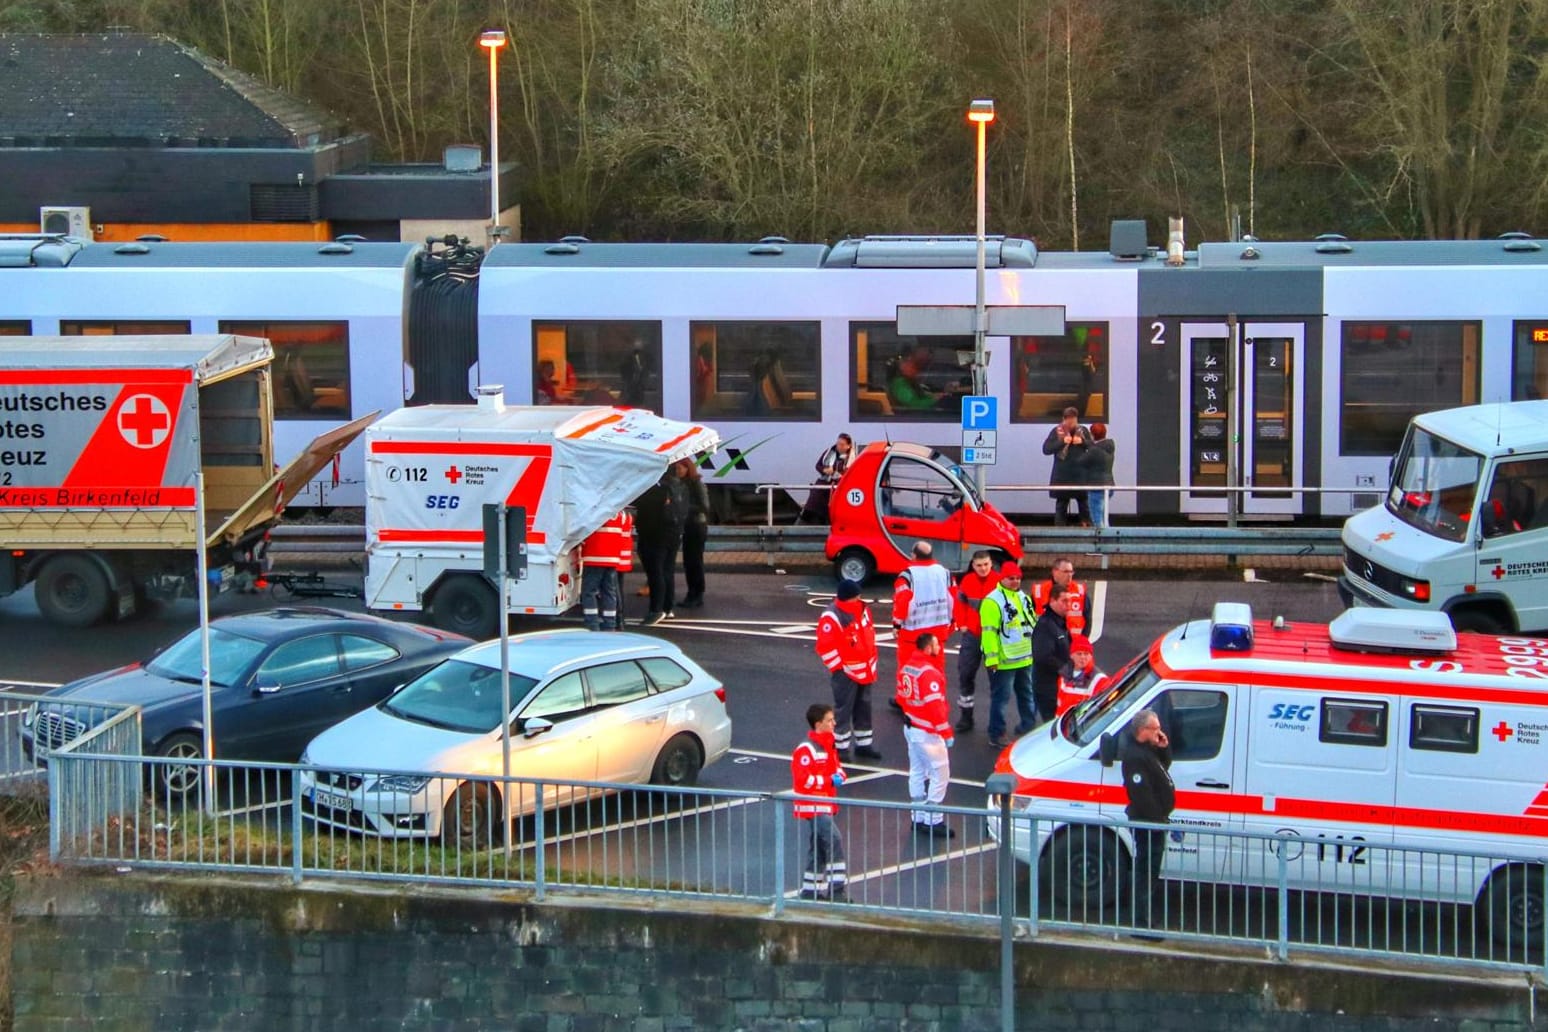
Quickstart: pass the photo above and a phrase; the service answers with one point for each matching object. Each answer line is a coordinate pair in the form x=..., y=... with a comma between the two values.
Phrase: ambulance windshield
x=1433, y=484
x=1085, y=723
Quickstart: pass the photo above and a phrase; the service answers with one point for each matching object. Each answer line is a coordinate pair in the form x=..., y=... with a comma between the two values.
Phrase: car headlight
x=409, y=783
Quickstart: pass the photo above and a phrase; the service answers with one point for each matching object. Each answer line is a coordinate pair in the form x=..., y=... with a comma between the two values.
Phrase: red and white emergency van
x=1354, y=748
x=894, y=494
x=431, y=469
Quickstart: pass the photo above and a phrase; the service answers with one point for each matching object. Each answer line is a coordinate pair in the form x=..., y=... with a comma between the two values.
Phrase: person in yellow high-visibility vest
x=1006, y=618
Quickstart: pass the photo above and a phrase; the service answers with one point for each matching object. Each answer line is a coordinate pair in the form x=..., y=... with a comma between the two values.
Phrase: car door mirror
x=531, y=727
x=1107, y=752
x=265, y=685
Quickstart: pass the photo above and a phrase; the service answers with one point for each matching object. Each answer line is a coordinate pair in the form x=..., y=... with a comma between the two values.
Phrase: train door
x=1258, y=372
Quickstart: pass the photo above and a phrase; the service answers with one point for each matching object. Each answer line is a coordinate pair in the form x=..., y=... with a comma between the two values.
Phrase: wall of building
x=137, y=952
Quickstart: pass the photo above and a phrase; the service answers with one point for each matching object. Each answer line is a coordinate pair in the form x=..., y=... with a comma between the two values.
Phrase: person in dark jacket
x=1099, y=473
x=660, y=515
x=695, y=531
x=1050, y=652
x=1145, y=756
x=1068, y=443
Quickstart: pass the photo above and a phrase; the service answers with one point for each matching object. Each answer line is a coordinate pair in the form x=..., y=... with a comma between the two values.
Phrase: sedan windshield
x=1433, y=485
x=458, y=696
x=231, y=655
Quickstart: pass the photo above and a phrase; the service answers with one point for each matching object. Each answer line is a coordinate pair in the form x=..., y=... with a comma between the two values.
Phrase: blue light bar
x=1230, y=627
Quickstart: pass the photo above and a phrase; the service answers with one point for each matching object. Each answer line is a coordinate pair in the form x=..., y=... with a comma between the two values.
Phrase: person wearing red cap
x=971, y=589
x=1081, y=679
x=1007, y=622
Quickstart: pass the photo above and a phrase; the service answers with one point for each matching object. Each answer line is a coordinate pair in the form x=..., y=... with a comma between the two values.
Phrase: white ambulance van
x=1353, y=748
x=1464, y=527
x=431, y=469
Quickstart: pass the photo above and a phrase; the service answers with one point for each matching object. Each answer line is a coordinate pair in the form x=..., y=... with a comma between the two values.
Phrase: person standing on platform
x=1067, y=443
x=921, y=601
x=599, y=574
x=816, y=773
x=1081, y=679
x=1050, y=652
x=846, y=644
x=695, y=532
x=968, y=598
x=1007, y=621
x=927, y=729
x=1063, y=572
x=1099, y=473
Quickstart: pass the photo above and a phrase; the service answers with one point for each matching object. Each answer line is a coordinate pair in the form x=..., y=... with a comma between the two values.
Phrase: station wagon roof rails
x=38, y=250
x=931, y=252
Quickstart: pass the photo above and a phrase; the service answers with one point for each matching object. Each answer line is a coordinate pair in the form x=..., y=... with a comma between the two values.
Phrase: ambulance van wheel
x=1083, y=870
x=1515, y=901
x=73, y=591
x=467, y=605
x=854, y=564
x=1480, y=620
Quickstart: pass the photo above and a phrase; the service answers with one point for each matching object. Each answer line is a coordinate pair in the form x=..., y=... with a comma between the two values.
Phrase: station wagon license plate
x=331, y=800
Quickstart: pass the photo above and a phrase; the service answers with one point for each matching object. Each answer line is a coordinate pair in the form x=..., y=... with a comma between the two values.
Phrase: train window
x=1394, y=371
x=756, y=370
x=120, y=327
x=311, y=366
x=597, y=362
x=1529, y=373
x=917, y=377
x=1517, y=498
x=1055, y=373
x=15, y=328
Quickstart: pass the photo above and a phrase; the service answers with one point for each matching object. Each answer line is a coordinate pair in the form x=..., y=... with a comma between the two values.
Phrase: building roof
x=124, y=89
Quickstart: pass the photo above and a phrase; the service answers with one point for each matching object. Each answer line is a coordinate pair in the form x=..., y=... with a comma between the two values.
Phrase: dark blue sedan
x=278, y=679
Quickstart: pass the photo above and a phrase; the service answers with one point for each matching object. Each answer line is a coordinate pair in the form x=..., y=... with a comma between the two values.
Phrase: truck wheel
x=854, y=564
x=72, y=590
x=467, y=605
x=1515, y=902
x=1084, y=869
x=1480, y=620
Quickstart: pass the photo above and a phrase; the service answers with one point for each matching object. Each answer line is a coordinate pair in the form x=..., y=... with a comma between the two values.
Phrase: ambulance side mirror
x=1107, y=751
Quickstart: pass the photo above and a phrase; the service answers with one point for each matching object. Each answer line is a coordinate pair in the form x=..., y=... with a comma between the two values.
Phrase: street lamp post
x=493, y=40
x=981, y=113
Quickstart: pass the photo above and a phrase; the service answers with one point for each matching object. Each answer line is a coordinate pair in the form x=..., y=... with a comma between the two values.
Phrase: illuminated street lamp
x=493, y=40
x=981, y=113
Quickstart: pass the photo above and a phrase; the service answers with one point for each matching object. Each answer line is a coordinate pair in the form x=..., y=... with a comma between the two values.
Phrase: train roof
x=1328, y=253
x=242, y=255
x=584, y=254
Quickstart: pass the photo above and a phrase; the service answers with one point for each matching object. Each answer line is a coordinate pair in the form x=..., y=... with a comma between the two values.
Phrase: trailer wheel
x=854, y=564
x=466, y=605
x=1084, y=870
x=73, y=590
x=1514, y=899
x=1480, y=620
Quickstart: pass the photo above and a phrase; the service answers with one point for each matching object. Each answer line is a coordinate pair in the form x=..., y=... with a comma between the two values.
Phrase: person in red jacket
x=816, y=774
x=1063, y=572
x=599, y=573
x=1081, y=679
x=625, y=562
x=967, y=599
x=921, y=601
x=846, y=644
x=927, y=727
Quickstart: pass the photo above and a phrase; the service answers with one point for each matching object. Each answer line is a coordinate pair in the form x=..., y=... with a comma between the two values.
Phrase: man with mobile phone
x=1145, y=753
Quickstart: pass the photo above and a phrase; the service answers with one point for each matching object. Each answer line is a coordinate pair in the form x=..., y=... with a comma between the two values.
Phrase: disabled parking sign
x=980, y=420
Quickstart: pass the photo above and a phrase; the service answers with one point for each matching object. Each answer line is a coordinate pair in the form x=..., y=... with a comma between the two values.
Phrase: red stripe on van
x=1342, y=681
x=468, y=537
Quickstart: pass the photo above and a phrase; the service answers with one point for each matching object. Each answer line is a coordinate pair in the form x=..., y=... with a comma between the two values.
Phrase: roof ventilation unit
x=66, y=221
x=1392, y=630
x=462, y=157
x=1126, y=240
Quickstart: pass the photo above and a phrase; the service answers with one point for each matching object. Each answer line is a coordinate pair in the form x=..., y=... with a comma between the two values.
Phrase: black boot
x=964, y=722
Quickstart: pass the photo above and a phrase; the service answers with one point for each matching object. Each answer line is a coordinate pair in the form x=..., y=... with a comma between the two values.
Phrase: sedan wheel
x=178, y=782
x=678, y=764
x=474, y=818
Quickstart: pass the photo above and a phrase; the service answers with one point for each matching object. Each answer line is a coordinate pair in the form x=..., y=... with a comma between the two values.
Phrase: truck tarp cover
x=108, y=421
x=429, y=470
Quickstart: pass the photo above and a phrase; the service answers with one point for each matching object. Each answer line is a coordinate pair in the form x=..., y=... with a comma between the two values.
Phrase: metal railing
x=1289, y=894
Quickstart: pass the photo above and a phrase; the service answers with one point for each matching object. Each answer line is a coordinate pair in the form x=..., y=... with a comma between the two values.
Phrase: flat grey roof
x=244, y=256
x=657, y=256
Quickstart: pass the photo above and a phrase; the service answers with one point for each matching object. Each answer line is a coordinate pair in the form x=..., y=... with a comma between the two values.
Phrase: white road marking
x=26, y=687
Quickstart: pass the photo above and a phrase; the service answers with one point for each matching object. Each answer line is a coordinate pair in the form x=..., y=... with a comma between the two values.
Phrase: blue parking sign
x=980, y=412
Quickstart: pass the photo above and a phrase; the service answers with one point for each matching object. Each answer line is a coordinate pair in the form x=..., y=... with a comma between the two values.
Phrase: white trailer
x=430, y=470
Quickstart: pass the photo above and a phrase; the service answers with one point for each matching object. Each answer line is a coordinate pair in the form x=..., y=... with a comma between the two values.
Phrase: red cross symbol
x=1498, y=571
x=144, y=421
x=1385, y=535
x=1501, y=731
x=454, y=474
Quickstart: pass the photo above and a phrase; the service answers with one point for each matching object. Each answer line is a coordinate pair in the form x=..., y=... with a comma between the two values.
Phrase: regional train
x=1280, y=374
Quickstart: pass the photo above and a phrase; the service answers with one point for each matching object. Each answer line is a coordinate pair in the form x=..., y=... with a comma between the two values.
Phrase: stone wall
x=137, y=952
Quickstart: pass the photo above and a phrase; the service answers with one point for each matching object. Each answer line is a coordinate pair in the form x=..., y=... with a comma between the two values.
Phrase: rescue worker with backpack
x=1007, y=621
